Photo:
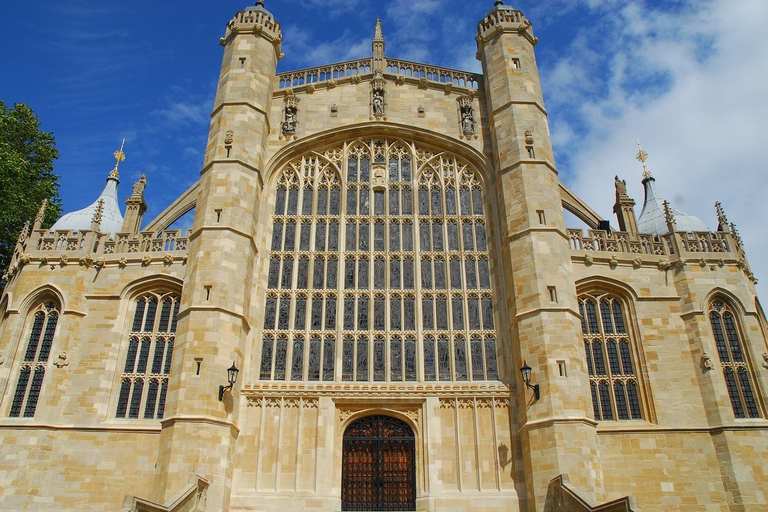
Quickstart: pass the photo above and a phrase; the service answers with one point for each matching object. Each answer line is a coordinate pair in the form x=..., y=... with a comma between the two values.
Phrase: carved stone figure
x=467, y=120
x=139, y=186
x=61, y=361
x=621, y=186
x=289, y=124
x=378, y=102
x=706, y=363
x=229, y=137
x=765, y=359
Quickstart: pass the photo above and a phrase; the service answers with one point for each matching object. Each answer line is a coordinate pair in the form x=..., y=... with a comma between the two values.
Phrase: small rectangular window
x=542, y=217
x=552, y=293
x=531, y=152
x=561, y=368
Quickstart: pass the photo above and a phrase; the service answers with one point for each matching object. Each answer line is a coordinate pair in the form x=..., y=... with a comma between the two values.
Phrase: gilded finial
x=119, y=157
x=642, y=157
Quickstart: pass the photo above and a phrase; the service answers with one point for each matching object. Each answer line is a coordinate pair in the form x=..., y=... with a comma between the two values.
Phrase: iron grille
x=379, y=465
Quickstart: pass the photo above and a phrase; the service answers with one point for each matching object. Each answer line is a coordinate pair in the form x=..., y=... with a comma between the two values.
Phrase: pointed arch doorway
x=379, y=465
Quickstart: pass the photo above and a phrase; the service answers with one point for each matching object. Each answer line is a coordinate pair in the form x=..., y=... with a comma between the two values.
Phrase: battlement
x=254, y=21
x=505, y=20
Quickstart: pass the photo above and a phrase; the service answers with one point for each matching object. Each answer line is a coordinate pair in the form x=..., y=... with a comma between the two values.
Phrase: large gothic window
x=33, y=366
x=730, y=350
x=144, y=381
x=609, y=347
x=379, y=269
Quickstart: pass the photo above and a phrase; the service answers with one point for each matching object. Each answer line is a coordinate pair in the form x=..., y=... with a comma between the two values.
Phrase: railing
x=434, y=73
x=97, y=243
x=362, y=67
x=325, y=73
x=664, y=245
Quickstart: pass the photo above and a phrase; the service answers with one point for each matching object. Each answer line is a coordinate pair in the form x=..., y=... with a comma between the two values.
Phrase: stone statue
x=467, y=120
x=289, y=125
x=139, y=186
x=765, y=358
x=378, y=102
x=621, y=186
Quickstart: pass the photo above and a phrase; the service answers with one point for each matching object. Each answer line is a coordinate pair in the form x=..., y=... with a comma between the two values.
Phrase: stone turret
x=545, y=323
x=135, y=207
x=216, y=312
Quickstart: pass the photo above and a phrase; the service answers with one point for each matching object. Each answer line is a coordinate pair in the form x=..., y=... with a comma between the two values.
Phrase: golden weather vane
x=119, y=157
x=642, y=156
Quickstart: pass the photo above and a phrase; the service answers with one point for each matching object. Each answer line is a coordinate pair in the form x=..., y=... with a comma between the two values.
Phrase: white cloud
x=692, y=85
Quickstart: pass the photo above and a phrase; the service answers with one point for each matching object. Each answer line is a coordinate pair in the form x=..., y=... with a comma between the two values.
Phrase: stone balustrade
x=324, y=74
x=434, y=74
x=665, y=245
x=95, y=243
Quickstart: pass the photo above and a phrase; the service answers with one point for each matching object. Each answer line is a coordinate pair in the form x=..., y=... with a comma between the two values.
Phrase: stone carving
x=146, y=260
x=621, y=186
x=344, y=415
x=588, y=259
x=311, y=88
x=123, y=262
x=100, y=263
x=379, y=177
x=614, y=262
x=356, y=79
x=139, y=186
x=664, y=265
x=736, y=235
x=62, y=360
x=290, y=114
x=413, y=414
x=706, y=363
x=24, y=259
x=64, y=260
x=86, y=261
x=765, y=360
x=400, y=80
x=423, y=83
x=229, y=138
x=168, y=258
x=378, y=102
x=638, y=262
x=467, y=116
x=332, y=83
x=528, y=137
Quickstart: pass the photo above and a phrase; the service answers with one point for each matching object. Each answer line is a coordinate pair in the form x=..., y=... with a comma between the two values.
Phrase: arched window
x=733, y=361
x=144, y=382
x=609, y=347
x=392, y=249
x=33, y=366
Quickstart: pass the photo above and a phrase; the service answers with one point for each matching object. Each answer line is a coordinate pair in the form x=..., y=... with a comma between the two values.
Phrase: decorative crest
x=119, y=157
x=642, y=156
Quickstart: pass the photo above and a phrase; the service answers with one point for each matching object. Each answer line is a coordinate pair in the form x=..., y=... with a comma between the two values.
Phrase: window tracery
x=609, y=347
x=144, y=382
x=398, y=253
x=730, y=350
x=35, y=361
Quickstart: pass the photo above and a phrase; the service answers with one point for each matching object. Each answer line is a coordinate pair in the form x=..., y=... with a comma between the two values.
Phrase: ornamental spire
x=119, y=157
x=642, y=157
x=378, y=48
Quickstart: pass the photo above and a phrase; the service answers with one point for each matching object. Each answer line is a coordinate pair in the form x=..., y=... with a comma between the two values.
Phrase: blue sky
x=688, y=77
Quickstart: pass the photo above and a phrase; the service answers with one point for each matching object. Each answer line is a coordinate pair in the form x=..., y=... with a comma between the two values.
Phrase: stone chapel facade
x=379, y=246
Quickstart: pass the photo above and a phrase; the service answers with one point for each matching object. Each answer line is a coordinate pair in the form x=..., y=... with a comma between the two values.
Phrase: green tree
x=26, y=175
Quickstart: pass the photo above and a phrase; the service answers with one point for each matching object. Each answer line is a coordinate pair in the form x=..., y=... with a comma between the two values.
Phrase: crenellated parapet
x=255, y=21
x=501, y=21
